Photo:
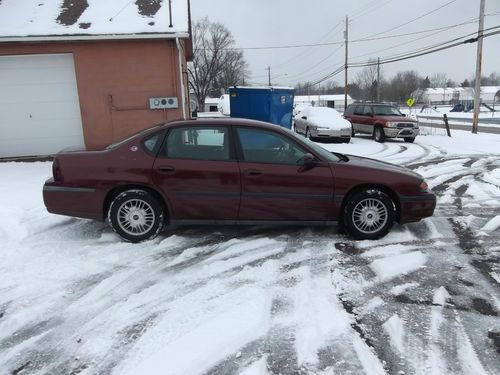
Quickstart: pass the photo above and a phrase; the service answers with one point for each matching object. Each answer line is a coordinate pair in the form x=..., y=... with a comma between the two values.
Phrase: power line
x=415, y=19
x=391, y=60
x=367, y=39
x=434, y=50
x=368, y=11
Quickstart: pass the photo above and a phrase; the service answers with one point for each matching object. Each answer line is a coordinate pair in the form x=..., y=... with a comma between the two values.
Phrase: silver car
x=322, y=123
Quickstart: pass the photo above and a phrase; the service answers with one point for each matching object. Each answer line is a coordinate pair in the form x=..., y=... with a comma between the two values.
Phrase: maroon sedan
x=232, y=171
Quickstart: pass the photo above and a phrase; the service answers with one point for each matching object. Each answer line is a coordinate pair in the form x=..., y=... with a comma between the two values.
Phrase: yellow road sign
x=410, y=102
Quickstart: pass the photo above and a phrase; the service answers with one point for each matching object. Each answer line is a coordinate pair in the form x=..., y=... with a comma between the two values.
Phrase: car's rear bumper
x=76, y=201
x=415, y=208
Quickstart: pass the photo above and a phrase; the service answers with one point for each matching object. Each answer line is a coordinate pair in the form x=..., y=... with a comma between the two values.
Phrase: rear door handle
x=253, y=172
x=167, y=169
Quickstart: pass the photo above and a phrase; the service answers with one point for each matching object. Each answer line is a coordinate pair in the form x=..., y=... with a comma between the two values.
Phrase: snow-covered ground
x=425, y=299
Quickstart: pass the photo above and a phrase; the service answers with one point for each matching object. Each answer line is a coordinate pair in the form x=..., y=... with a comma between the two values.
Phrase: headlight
x=391, y=124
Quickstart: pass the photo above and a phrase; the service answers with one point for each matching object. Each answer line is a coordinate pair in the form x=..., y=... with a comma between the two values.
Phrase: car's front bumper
x=331, y=133
x=76, y=201
x=415, y=208
x=401, y=132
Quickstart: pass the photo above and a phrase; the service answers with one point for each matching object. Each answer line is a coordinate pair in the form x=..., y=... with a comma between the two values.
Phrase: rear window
x=349, y=110
x=386, y=110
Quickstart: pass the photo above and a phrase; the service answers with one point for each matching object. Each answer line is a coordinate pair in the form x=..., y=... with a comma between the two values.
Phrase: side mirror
x=308, y=160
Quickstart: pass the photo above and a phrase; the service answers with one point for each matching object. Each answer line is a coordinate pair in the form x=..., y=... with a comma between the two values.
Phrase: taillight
x=424, y=187
x=56, y=170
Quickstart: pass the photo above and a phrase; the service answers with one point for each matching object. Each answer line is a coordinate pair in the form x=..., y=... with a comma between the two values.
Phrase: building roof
x=490, y=89
x=212, y=100
x=22, y=20
x=308, y=98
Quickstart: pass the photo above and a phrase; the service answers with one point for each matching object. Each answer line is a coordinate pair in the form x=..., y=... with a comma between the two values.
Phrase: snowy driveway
x=74, y=299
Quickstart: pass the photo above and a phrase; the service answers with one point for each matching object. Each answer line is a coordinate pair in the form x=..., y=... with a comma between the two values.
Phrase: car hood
x=363, y=162
x=396, y=118
x=330, y=122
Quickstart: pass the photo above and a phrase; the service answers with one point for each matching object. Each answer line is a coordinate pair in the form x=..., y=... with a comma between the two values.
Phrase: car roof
x=369, y=103
x=223, y=121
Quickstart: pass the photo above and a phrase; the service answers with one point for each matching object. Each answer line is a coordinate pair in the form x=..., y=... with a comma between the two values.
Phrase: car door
x=300, y=121
x=275, y=184
x=197, y=171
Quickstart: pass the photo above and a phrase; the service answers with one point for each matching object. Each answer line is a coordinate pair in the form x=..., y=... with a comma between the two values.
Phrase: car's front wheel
x=379, y=134
x=136, y=215
x=409, y=140
x=369, y=214
x=308, y=133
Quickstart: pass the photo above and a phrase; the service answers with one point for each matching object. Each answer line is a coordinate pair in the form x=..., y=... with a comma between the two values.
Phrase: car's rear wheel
x=378, y=134
x=369, y=214
x=409, y=140
x=136, y=215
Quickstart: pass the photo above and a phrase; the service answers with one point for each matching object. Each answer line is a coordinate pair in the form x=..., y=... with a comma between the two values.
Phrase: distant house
x=490, y=94
x=332, y=101
x=78, y=72
x=211, y=104
x=455, y=95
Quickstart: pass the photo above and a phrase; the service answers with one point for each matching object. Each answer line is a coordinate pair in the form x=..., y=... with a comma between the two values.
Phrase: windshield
x=386, y=110
x=327, y=155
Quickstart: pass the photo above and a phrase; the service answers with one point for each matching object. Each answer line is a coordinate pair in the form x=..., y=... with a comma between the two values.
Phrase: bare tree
x=402, y=85
x=234, y=72
x=216, y=65
x=439, y=80
x=366, y=79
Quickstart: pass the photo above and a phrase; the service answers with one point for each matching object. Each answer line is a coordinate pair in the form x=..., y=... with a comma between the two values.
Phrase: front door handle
x=253, y=172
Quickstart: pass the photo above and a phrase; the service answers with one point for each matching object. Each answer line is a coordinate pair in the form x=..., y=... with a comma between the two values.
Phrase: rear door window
x=198, y=143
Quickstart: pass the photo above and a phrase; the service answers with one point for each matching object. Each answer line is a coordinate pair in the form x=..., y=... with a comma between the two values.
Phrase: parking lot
x=425, y=299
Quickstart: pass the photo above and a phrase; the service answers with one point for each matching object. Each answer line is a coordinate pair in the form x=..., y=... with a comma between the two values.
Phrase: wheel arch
x=391, y=193
x=378, y=125
x=113, y=193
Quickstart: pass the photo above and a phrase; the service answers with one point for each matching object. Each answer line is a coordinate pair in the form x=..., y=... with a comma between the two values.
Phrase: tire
x=368, y=214
x=308, y=134
x=409, y=140
x=353, y=133
x=135, y=215
x=378, y=134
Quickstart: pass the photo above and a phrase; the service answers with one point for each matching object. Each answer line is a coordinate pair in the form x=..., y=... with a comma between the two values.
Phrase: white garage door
x=39, y=106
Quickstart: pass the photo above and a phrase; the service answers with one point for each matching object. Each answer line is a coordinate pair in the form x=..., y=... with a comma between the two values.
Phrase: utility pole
x=269, y=74
x=477, y=89
x=346, y=35
x=378, y=80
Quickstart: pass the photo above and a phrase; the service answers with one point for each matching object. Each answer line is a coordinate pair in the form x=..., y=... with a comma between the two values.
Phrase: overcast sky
x=271, y=23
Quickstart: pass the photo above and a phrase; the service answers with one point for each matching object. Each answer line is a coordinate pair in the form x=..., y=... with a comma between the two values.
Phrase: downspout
x=181, y=77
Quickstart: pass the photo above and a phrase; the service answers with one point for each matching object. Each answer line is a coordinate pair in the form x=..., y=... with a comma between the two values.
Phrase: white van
x=224, y=105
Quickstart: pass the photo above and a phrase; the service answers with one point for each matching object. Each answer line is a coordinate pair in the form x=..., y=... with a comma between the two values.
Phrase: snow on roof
x=308, y=98
x=60, y=19
x=212, y=100
x=490, y=89
x=264, y=87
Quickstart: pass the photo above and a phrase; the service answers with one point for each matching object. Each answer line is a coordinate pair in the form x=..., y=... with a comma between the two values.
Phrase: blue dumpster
x=271, y=104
